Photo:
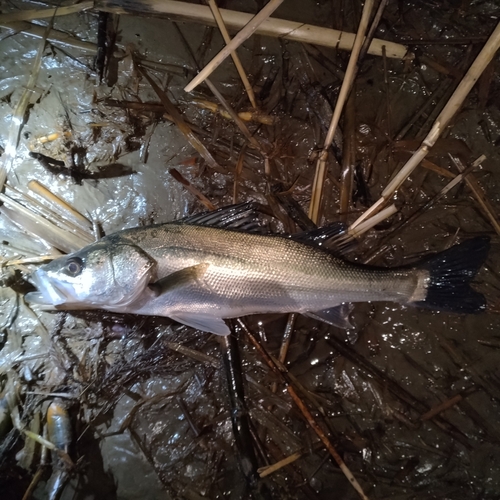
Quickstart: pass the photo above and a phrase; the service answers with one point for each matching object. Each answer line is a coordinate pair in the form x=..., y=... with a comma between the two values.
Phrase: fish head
x=108, y=274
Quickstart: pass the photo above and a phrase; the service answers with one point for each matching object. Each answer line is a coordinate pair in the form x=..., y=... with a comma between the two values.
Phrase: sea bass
x=203, y=269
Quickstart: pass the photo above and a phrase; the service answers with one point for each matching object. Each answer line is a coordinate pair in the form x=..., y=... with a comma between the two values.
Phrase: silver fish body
x=199, y=275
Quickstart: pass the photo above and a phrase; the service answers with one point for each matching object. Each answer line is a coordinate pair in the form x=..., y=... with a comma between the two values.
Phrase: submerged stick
x=193, y=190
x=283, y=374
x=240, y=417
x=242, y=35
x=227, y=39
x=320, y=175
x=452, y=106
x=234, y=20
x=179, y=121
x=44, y=229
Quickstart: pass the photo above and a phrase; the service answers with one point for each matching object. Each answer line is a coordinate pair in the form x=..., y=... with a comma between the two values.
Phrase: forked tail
x=450, y=274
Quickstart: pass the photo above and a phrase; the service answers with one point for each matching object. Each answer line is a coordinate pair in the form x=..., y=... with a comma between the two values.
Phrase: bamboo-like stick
x=55, y=36
x=451, y=107
x=222, y=27
x=28, y=15
x=234, y=20
x=44, y=229
x=266, y=471
x=373, y=221
x=55, y=201
x=61, y=222
x=319, y=177
x=242, y=35
x=479, y=194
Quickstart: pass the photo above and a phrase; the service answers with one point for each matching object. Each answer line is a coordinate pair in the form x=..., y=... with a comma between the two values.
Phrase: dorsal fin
x=240, y=217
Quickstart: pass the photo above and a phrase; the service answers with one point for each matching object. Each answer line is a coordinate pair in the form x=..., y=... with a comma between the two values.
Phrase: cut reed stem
x=239, y=67
x=320, y=175
x=452, y=106
x=30, y=14
x=242, y=35
x=234, y=20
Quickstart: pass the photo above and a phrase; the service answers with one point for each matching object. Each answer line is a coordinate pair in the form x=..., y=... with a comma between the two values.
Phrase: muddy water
x=151, y=422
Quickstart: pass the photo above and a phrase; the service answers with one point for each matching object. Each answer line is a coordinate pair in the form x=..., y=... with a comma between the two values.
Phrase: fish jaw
x=49, y=294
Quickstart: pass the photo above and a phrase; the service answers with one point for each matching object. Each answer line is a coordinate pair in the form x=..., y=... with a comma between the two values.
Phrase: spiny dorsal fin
x=240, y=217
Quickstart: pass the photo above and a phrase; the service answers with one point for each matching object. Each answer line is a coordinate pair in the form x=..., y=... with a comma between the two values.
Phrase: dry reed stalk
x=420, y=211
x=227, y=39
x=452, y=106
x=360, y=229
x=179, y=121
x=44, y=229
x=55, y=201
x=55, y=36
x=244, y=130
x=28, y=15
x=479, y=194
x=320, y=175
x=239, y=122
x=30, y=260
x=234, y=20
x=247, y=116
x=266, y=471
x=62, y=222
x=242, y=35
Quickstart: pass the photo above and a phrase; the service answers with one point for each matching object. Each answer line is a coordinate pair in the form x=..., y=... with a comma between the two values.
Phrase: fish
x=218, y=265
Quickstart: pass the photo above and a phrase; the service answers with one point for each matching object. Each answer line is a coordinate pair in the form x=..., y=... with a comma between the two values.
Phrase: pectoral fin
x=179, y=279
x=203, y=322
x=335, y=316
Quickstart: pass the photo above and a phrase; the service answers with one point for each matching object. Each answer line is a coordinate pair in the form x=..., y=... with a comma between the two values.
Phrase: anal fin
x=336, y=316
x=203, y=322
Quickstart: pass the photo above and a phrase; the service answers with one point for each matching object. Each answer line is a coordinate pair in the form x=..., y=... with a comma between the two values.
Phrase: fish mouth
x=49, y=293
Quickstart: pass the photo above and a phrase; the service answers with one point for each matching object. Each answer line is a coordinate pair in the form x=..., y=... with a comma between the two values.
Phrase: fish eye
x=74, y=266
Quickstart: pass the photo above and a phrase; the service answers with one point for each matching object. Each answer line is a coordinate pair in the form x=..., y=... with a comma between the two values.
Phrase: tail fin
x=450, y=274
